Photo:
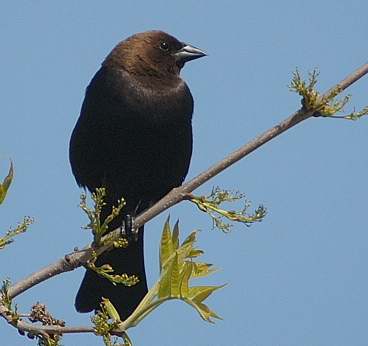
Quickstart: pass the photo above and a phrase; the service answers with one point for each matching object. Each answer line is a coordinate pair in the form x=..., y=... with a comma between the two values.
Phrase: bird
x=134, y=138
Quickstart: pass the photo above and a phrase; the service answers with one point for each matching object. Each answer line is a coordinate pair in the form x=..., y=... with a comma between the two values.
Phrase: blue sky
x=299, y=277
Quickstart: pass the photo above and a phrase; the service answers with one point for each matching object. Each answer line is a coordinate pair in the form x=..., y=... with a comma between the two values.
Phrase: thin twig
x=37, y=329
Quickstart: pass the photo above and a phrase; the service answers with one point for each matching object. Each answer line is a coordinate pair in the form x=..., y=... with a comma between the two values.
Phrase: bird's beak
x=187, y=53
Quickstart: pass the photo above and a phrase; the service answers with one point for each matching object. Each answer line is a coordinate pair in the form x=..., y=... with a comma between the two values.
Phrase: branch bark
x=79, y=258
x=44, y=330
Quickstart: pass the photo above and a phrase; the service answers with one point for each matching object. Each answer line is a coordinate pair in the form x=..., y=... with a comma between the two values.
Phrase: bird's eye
x=164, y=46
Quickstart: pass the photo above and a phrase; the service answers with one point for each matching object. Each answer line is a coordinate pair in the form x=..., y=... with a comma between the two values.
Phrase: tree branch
x=79, y=258
x=178, y=194
x=68, y=263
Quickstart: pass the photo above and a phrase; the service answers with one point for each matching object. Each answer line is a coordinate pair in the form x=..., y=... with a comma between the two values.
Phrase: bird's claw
x=128, y=228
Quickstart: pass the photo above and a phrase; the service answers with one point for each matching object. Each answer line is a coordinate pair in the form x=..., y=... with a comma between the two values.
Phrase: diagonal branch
x=79, y=258
x=178, y=194
x=181, y=193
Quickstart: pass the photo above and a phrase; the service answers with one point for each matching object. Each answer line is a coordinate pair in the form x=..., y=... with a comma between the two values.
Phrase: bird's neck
x=154, y=84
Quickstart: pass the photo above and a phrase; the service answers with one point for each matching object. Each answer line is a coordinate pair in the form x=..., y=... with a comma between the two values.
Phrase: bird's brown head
x=152, y=53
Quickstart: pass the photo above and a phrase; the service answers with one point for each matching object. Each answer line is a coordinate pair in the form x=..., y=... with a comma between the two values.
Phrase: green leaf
x=187, y=247
x=4, y=186
x=175, y=278
x=166, y=247
x=204, y=311
x=190, y=239
x=184, y=279
x=202, y=269
x=169, y=282
x=184, y=251
x=195, y=253
x=175, y=236
x=199, y=293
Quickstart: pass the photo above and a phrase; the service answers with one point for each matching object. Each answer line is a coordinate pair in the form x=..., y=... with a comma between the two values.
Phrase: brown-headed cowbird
x=133, y=137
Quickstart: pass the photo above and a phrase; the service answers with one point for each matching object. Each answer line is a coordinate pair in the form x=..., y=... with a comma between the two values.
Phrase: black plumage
x=133, y=137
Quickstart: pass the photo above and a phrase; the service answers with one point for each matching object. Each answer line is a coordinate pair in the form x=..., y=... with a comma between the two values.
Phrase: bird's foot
x=128, y=229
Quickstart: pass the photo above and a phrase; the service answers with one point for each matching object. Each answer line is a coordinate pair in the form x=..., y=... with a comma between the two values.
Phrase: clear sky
x=297, y=279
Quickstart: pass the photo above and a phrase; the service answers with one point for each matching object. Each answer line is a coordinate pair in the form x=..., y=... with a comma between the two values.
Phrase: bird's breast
x=134, y=139
x=161, y=101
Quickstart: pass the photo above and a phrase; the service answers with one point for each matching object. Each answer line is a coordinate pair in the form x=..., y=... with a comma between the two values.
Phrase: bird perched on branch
x=133, y=137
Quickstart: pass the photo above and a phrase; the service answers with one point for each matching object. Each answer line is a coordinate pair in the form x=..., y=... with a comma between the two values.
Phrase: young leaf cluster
x=211, y=205
x=178, y=266
x=318, y=104
x=106, y=321
x=107, y=272
x=22, y=227
x=7, y=302
x=99, y=229
x=39, y=313
x=9, y=235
